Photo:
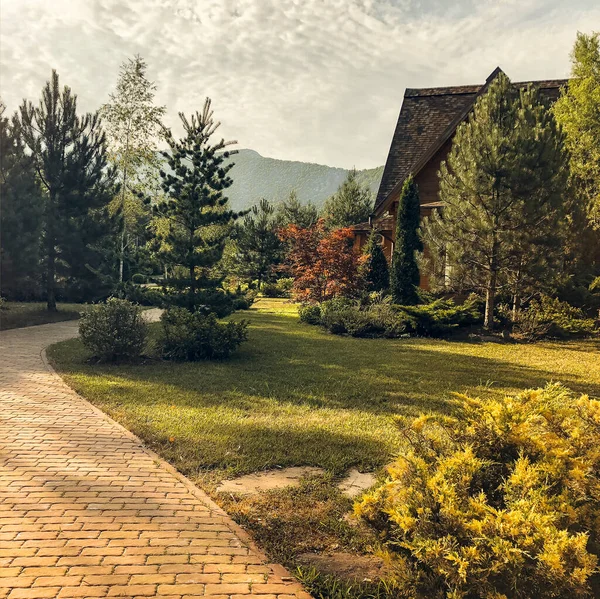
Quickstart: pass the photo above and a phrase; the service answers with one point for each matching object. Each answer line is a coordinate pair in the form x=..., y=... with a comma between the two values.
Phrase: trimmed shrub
x=138, y=278
x=553, y=319
x=310, y=313
x=501, y=500
x=115, y=331
x=196, y=336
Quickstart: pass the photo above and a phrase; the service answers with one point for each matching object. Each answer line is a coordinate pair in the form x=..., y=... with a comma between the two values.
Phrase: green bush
x=281, y=288
x=501, y=501
x=144, y=296
x=197, y=336
x=244, y=301
x=553, y=319
x=138, y=278
x=442, y=317
x=310, y=313
x=115, y=331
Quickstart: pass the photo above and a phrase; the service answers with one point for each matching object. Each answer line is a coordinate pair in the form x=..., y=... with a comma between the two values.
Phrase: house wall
x=427, y=180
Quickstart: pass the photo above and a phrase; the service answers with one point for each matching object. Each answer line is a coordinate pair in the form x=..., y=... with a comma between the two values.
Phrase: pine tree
x=292, y=212
x=503, y=188
x=21, y=214
x=405, y=277
x=375, y=268
x=132, y=123
x=257, y=243
x=577, y=111
x=351, y=204
x=70, y=160
x=194, y=219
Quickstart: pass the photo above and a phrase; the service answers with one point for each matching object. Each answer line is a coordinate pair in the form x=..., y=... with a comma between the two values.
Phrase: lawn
x=295, y=395
x=14, y=315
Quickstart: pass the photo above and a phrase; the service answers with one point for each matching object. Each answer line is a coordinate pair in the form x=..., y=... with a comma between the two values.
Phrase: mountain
x=255, y=177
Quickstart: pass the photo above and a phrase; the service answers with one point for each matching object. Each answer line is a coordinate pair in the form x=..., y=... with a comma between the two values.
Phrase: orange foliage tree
x=323, y=263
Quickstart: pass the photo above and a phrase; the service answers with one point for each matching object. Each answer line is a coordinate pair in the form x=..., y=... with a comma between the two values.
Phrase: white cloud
x=313, y=80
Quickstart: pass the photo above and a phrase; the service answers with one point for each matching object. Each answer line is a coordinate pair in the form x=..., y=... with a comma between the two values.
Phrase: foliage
x=281, y=288
x=323, y=263
x=441, y=317
x=244, y=301
x=138, y=278
x=132, y=123
x=292, y=212
x=310, y=313
x=500, y=500
x=550, y=318
x=258, y=247
x=70, y=160
x=21, y=222
x=194, y=221
x=193, y=336
x=114, y=331
x=405, y=278
x=375, y=268
x=142, y=295
x=577, y=112
x=503, y=188
x=351, y=204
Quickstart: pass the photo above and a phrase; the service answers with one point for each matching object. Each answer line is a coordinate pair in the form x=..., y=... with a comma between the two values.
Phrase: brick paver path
x=87, y=511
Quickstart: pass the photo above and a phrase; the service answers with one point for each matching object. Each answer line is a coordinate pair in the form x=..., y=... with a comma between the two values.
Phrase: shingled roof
x=427, y=118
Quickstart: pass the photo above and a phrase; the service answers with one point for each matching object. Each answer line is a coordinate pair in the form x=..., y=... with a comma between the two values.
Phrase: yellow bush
x=499, y=501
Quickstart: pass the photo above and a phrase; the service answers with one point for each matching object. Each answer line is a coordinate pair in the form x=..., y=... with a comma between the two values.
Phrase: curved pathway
x=87, y=511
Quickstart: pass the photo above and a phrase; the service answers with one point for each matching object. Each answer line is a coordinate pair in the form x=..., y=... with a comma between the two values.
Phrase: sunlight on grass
x=295, y=395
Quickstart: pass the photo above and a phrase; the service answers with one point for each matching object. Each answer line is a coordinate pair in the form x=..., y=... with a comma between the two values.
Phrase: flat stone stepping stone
x=250, y=484
x=356, y=483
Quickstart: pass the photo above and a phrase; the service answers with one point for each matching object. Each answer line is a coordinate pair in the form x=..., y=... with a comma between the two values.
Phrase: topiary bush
x=196, y=336
x=138, y=278
x=115, y=331
x=501, y=500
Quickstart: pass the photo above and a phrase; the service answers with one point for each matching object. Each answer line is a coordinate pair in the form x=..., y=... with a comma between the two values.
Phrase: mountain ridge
x=256, y=176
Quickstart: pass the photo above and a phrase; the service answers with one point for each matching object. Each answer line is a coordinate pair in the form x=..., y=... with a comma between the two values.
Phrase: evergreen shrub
x=196, y=336
x=310, y=313
x=500, y=500
x=114, y=331
x=281, y=288
x=138, y=278
x=550, y=318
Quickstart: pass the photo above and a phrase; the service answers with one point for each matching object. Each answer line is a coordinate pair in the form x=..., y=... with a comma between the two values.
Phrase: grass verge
x=14, y=315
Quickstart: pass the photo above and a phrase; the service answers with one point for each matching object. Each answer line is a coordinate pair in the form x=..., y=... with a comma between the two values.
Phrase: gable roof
x=428, y=118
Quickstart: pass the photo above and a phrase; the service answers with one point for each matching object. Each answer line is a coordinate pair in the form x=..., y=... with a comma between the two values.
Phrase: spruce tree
x=132, y=122
x=69, y=154
x=503, y=188
x=405, y=277
x=21, y=214
x=375, y=268
x=194, y=219
x=258, y=247
x=292, y=212
x=351, y=204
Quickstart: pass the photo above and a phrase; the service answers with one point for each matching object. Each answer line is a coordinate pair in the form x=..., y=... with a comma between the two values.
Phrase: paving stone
x=258, y=482
x=87, y=511
x=356, y=483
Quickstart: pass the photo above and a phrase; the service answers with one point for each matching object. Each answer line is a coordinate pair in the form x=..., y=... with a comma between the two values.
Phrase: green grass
x=14, y=315
x=295, y=395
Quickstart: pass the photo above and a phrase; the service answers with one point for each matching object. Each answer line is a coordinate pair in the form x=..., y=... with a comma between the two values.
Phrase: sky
x=312, y=80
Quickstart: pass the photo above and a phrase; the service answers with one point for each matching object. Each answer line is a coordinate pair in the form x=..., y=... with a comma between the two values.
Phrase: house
x=426, y=126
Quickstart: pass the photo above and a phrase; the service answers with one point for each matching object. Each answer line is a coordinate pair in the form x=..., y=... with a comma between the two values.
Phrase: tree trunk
x=490, y=298
x=192, y=287
x=122, y=253
x=51, y=261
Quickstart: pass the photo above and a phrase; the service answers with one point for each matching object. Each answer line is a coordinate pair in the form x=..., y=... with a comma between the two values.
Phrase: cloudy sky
x=313, y=80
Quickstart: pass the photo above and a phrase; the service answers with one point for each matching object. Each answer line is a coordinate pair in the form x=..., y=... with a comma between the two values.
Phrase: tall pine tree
x=21, y=214
x=375, y=268
x=351, y=204
x=69, y=153
x=132, y=122
x=195, y=219
x=503, y=188
x=292, y=212
x=258, y=247
x=405, y=277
